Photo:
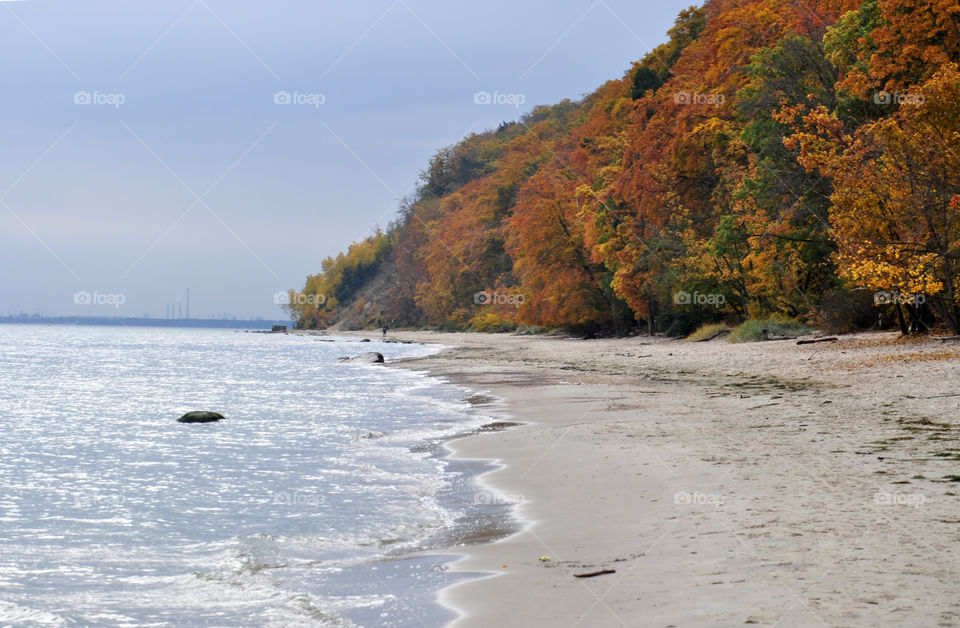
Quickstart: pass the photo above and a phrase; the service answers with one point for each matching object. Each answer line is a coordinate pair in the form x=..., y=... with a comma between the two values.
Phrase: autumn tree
x=545, y=239
x=894, y=212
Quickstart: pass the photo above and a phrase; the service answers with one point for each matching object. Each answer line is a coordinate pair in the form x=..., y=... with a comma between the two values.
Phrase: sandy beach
x=767, y=484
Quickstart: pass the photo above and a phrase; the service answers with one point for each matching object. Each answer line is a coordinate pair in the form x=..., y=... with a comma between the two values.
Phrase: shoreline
x=765, y=483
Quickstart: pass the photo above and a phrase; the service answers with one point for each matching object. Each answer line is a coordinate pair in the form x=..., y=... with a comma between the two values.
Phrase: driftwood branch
x=594, y=573
x=810, y=342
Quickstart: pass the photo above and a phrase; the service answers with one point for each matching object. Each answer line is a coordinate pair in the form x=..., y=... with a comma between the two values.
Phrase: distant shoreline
x=208, y=323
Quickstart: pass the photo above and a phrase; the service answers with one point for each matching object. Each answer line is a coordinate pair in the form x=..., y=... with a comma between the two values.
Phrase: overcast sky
x=149, y=147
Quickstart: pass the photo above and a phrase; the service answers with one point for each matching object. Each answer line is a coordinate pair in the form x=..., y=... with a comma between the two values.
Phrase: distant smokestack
x=188, y=302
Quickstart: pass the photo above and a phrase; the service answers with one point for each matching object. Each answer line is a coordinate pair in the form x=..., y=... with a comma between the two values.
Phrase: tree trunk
x=947, y=312
x=651, y=326
x=903, y=324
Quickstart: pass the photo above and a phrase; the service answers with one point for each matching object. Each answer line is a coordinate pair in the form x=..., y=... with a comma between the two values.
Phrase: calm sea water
x=311, y=504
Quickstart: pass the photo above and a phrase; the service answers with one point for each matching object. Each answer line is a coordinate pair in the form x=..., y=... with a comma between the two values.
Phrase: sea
x=324, y=498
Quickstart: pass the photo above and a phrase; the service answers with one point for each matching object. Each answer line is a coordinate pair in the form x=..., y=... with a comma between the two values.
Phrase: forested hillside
x=773, y=157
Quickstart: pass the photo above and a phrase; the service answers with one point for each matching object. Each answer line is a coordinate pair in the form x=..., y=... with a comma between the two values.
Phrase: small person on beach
x=385, y=328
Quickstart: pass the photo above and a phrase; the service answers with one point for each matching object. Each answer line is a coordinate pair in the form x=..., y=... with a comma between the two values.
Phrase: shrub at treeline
x=773, y=157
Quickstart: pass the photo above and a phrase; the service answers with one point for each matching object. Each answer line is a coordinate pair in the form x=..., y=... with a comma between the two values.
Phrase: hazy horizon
x=229, y=147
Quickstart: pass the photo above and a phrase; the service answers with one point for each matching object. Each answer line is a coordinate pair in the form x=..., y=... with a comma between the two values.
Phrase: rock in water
x=200, y=417
x=367, y=358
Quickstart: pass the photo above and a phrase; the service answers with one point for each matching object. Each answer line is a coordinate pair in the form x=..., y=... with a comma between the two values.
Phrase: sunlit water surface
x=309, y=505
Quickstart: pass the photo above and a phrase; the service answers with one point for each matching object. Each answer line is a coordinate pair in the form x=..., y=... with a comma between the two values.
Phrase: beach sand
x=765, y=483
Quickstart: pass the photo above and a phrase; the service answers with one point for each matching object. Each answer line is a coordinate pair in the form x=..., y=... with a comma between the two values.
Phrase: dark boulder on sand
x=366, y=358
x=200, y=417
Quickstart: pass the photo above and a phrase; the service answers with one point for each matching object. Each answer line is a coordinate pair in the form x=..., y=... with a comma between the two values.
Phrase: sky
x=228, y=146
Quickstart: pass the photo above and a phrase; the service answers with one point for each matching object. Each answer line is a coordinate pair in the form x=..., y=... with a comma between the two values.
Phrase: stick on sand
x=594, y=573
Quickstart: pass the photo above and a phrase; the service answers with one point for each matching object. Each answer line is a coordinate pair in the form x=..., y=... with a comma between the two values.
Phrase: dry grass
x=705, y=331
x=752, y=330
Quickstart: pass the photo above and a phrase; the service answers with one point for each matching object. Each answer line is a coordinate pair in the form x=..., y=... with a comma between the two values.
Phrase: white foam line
x=518, y=514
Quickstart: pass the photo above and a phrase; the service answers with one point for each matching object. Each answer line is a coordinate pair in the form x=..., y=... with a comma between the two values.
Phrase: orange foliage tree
x=894, y=214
